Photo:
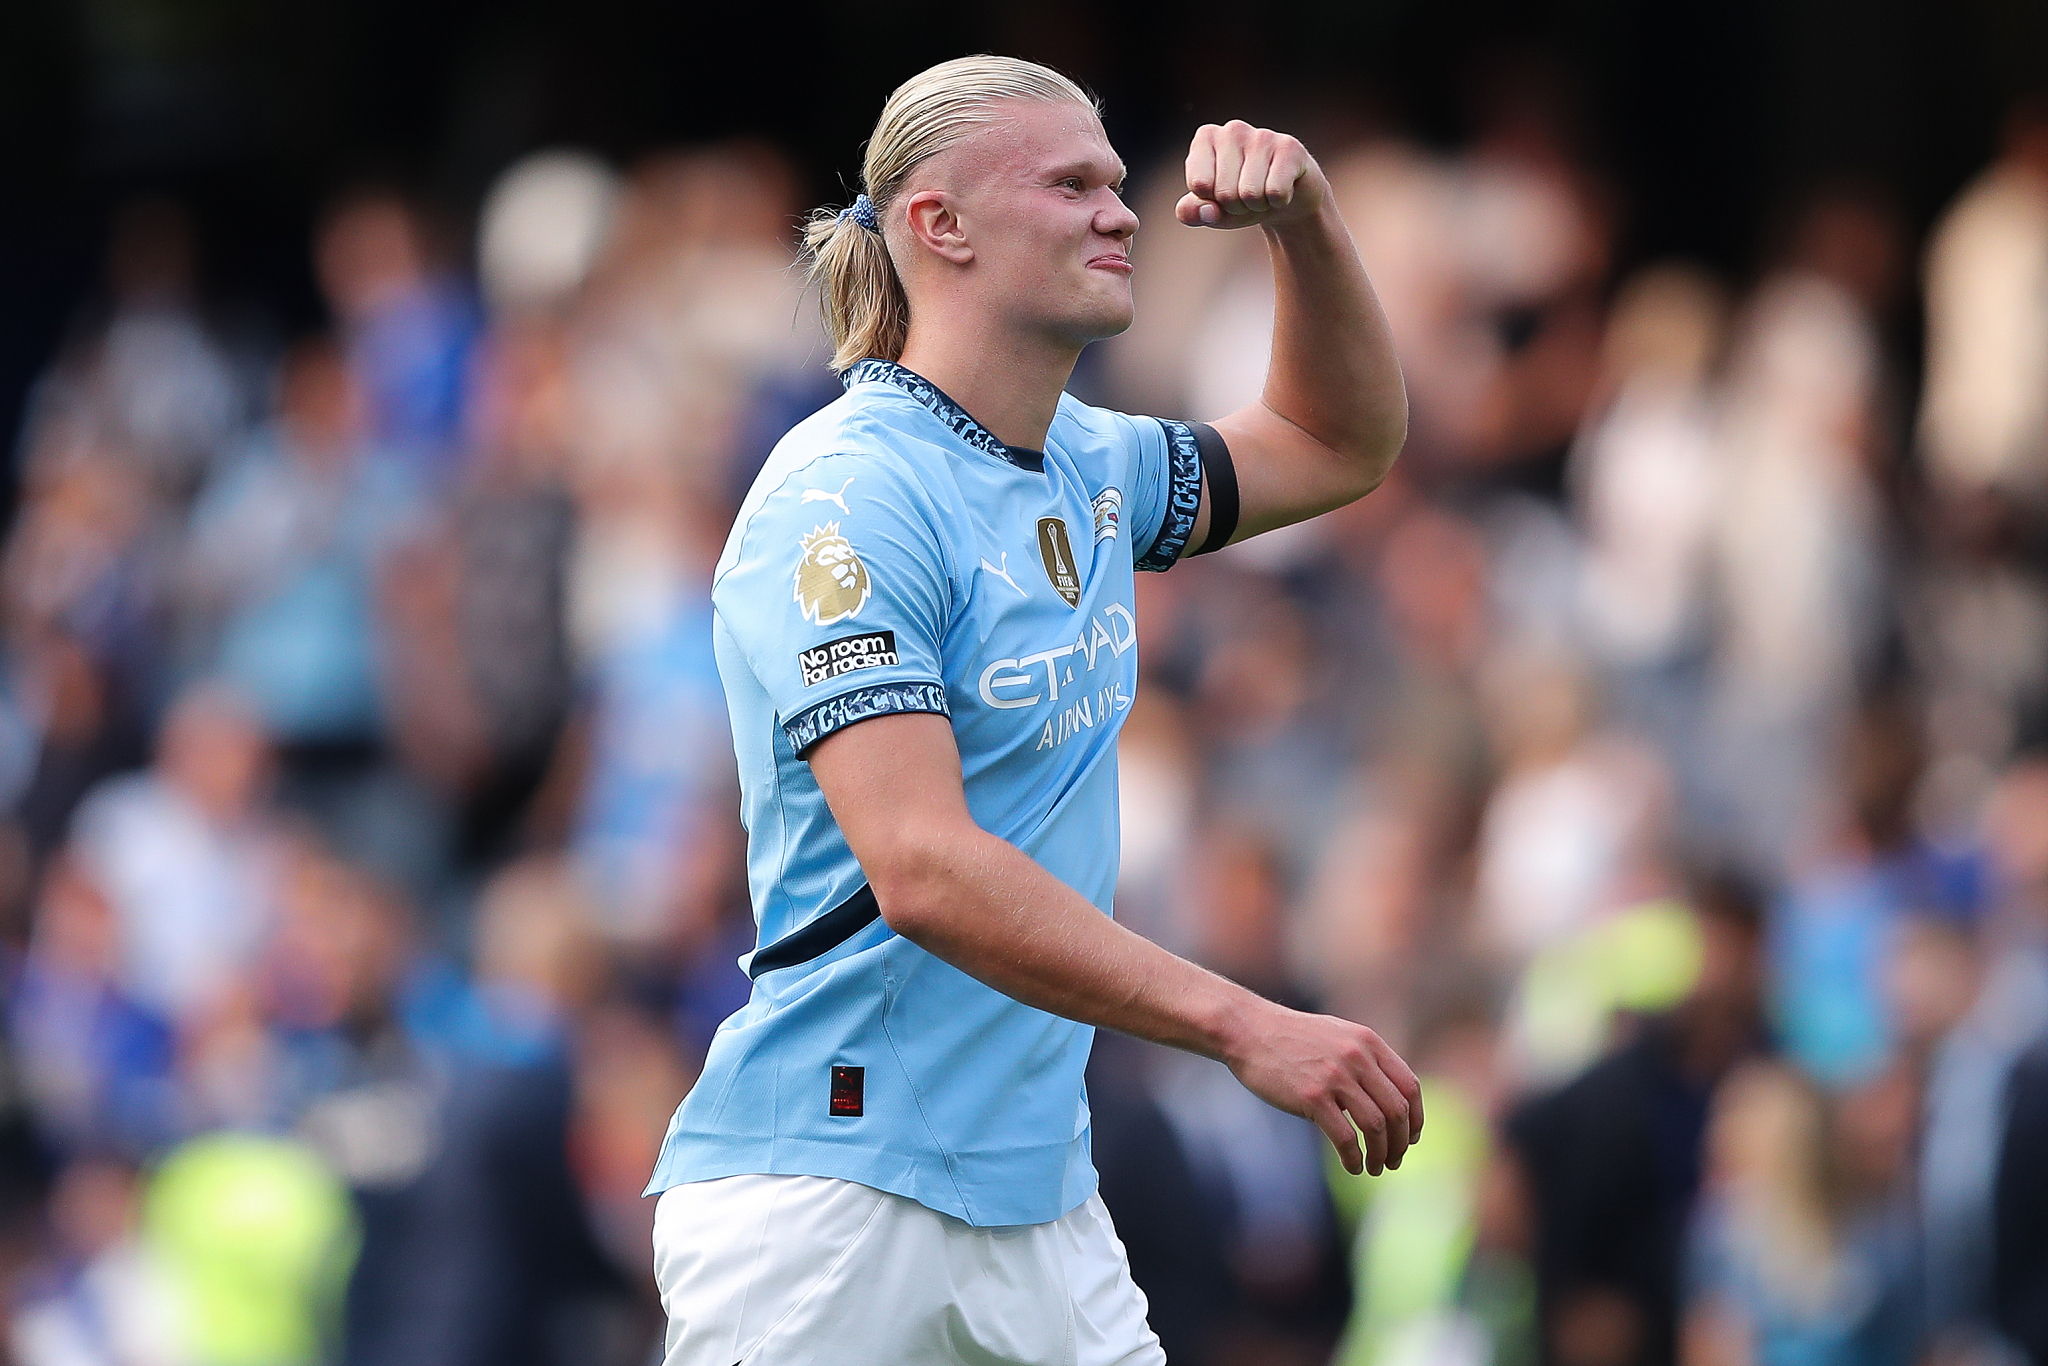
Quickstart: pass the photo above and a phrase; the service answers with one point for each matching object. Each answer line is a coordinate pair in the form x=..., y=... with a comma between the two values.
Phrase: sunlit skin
x=1014, y=248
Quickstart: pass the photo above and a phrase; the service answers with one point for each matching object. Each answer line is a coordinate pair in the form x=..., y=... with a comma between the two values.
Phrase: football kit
x=895, y=556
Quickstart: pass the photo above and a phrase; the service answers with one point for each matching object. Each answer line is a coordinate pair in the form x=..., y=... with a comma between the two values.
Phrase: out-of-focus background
x=1660, y=759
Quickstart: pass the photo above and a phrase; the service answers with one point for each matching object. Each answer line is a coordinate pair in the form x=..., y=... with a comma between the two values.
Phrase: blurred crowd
x=1659, y=759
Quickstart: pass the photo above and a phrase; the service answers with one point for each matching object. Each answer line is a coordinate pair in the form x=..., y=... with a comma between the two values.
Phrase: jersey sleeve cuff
x=813, y=724
x=1183, y=497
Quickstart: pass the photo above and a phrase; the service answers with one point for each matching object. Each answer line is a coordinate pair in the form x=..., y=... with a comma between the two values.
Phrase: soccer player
x=924, y=624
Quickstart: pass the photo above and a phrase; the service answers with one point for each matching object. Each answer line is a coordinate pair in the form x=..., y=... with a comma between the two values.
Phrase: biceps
x=894, y=786
x=1284, y=475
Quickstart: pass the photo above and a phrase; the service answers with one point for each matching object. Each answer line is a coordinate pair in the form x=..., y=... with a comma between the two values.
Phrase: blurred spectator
x=1794, y=1257
x=1572, y=827
x=150, y=383
x=543, y=225
x=2019, y=1225
x=1972, y=1069
x=1611, y=1161
x=1438, y=1251
x=475, y=606
x=1646, y=475
x=469, y=1275
x=1253, y=1174
x=286, y=544
x=105, y=1297
x=406, y=322
x=1797, y=556
x=96, y=1066
x=1531, y=219
x=92, y=558
x=1984, y=417
x=255, y=1239
x=70, y=708
x=1842, y=918
x=184, y=854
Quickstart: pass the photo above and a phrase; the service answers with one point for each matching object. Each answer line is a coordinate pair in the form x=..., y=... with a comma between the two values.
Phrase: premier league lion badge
x=831, y=582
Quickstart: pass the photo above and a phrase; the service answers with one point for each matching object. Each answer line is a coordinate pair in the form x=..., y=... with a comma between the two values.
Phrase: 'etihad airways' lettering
x=1003, y=681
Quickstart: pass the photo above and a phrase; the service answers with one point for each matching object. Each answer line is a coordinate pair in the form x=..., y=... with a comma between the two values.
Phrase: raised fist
x=1239, y=176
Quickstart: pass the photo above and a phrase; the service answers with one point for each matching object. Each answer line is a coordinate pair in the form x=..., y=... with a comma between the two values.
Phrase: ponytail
x=866, y=311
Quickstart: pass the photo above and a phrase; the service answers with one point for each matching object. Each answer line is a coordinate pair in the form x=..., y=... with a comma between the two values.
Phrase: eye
x=1073, y=182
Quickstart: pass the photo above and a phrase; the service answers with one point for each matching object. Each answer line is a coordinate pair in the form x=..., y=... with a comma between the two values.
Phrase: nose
x=1117, y=218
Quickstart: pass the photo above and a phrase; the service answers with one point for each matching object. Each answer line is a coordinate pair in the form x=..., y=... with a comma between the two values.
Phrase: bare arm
x=1334, y=412
x=986, y=907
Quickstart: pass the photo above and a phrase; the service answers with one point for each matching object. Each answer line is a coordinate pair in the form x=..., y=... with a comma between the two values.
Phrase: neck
x=1010, y=384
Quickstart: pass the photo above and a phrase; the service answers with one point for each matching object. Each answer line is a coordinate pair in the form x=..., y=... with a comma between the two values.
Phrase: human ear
x=935, y=224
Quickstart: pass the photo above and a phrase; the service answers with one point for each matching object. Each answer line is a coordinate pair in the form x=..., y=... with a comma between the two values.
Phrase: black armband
x=1220, y=475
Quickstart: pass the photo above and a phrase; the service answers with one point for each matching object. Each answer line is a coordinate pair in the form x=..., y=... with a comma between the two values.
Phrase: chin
x=1100, y=318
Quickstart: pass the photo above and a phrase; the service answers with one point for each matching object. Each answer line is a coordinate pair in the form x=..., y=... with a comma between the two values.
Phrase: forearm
x=987, y=908
x=1333, y=371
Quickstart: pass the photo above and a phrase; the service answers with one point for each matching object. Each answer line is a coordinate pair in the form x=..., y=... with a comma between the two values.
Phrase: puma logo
x=1003, y=573
x=820, y=496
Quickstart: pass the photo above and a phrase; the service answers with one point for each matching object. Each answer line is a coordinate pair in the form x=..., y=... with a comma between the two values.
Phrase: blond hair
x=866, y=310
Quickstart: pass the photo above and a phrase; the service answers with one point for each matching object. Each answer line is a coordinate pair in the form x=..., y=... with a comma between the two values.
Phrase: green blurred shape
x=1414, y=1227
x=257, y=1238
x=1644, y=959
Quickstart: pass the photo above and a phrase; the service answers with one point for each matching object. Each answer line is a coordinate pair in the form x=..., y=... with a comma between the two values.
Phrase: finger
x=1202, y=162
x=1290, y=159
x=1393, y=1107
x=1230, y=165
x=1258, y=163
x=1406, y=1082
x=1332, y=1121
x=1372, y=1125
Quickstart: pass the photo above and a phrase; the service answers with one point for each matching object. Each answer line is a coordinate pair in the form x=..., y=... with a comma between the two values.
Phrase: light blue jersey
x=894, y=556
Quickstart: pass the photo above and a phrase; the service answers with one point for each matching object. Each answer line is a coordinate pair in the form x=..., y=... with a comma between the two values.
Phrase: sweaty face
x=1037, y=193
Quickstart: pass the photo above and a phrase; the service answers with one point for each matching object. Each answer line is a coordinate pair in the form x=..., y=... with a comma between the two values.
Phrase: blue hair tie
x=862, y=211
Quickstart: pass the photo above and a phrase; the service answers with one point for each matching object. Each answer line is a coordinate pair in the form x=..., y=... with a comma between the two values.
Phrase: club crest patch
x=831, y=582
x=1109, y=507
x=1058, y=553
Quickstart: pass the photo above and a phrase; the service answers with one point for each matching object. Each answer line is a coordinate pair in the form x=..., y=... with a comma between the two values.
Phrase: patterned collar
x=945, y=409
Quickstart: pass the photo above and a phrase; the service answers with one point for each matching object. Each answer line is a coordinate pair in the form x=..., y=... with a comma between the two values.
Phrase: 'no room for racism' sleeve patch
x=848, y=654
x=839, y=620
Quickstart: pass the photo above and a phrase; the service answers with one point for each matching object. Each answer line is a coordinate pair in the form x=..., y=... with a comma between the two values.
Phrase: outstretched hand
x=1240, y=176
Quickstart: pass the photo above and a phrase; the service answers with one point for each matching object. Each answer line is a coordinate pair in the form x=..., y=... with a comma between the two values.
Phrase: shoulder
x=845, y=440
x=1082, y=423
x=841, y=466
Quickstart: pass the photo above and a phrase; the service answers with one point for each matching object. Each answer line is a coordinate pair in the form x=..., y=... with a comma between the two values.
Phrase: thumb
x=1197, y=212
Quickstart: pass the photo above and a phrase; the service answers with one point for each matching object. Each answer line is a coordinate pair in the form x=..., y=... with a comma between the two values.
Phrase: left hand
x=1240, y=176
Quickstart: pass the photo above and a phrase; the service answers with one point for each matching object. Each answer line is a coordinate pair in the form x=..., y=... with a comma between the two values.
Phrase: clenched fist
x=1240, y=176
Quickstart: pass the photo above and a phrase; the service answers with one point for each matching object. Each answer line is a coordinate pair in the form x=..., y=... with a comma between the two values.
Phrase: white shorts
x=810, y=1271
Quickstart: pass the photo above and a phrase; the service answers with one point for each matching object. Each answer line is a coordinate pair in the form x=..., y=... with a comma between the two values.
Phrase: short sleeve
x=1166, y=491
x=837, y=596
